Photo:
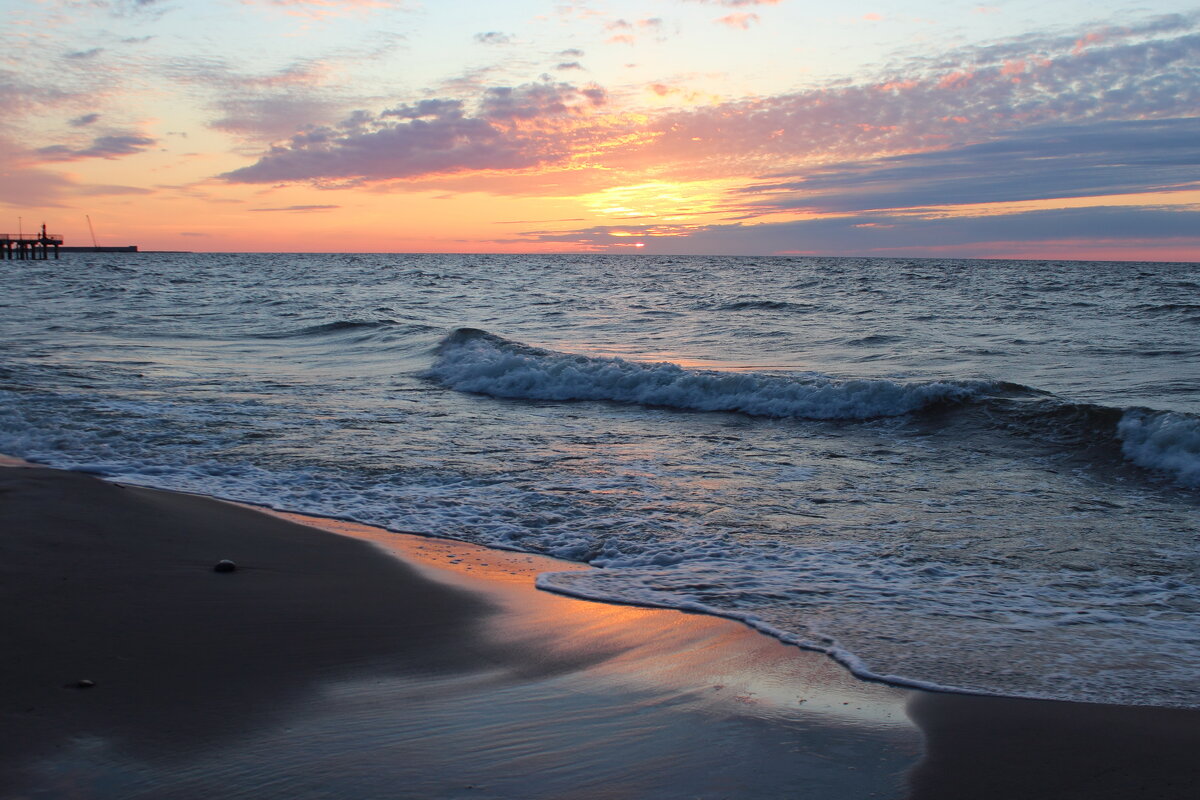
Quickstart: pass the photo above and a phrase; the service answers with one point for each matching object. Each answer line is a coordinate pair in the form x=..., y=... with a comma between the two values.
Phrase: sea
x=974, y=475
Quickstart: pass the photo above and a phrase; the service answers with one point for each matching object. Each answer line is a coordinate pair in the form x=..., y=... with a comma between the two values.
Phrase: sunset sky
x=1059, y=129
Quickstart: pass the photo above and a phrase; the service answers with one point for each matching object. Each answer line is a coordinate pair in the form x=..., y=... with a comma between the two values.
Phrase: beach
x=325, y=666
x=713, y=399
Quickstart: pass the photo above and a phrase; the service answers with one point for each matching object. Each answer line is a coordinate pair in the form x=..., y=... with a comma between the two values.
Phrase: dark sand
x=323, y=668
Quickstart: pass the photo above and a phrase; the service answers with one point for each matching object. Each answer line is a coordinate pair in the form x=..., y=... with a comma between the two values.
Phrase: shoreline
x=442, y=667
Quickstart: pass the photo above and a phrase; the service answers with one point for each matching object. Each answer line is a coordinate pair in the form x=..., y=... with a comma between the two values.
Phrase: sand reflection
x=703, y=662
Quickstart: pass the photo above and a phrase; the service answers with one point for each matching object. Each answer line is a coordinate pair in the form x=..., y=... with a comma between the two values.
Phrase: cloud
x=960, y=104
x=743, y=21
x=568, y=65
x=537, y=221
x=132, y=8
x=86, y=119
x=33, y=188
x=737, y=3
x=510, y=128
x=627, y=32
x=493, y=37
x=1051, y=162
x=538, y=100
x=262, y=106
x=939, y=103
x=272, y=116
x=880, y=235
x=19, y=96
x=30, y=187
x=300, y=208
x=322, y=9
x=108, y=190
x=56, y=72
x=112, y=146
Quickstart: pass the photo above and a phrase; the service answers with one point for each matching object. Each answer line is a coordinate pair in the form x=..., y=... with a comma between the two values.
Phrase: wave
x=1166, y=308
x=765, y=305
x=340, y=326
x=1164, y=442
x=874, y=339
x=472, y=360
x=349, y=331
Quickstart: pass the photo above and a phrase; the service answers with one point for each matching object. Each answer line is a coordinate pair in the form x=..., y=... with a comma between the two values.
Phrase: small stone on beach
x=224, y=565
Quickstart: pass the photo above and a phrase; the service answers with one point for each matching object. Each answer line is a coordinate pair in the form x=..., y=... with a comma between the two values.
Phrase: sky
x=1044, y=129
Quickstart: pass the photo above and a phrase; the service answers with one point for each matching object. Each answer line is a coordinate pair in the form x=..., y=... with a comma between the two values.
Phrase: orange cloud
x=955, y=80
x=1089, y=39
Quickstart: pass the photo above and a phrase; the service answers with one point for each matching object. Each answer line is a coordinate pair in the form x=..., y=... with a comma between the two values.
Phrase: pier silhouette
x=29, y=246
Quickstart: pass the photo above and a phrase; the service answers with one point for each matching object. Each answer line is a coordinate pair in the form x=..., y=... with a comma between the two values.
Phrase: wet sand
x=323, y=667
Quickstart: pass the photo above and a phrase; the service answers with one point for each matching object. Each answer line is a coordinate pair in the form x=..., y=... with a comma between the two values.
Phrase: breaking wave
x=471, y=360
x=1164, y=441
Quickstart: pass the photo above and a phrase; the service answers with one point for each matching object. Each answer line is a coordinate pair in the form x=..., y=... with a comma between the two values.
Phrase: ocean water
x=976, y=475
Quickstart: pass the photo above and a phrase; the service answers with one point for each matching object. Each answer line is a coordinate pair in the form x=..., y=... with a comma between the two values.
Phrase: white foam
x=1104, y=638
x=475, y=361
x=1164, y=441
x=886, y=605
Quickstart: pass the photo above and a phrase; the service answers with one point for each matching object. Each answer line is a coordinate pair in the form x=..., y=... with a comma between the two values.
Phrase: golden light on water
x=707, y=662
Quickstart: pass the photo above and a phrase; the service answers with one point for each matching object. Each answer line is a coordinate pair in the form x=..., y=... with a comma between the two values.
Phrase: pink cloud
x=28, y=187
x=509, y=128
x=743, y=21
x=1086, y=40
x=937, y=103
x=955, y=80
x=923, y=109
x=629, y=30
x=110, y=146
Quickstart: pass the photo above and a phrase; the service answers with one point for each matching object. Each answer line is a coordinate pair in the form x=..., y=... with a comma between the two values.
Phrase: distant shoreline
x=130, y=248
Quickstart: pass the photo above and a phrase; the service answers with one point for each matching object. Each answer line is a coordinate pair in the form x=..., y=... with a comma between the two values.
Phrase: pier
x=31, y=246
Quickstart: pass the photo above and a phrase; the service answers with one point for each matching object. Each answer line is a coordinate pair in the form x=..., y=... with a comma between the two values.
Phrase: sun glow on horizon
x=603, y=128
